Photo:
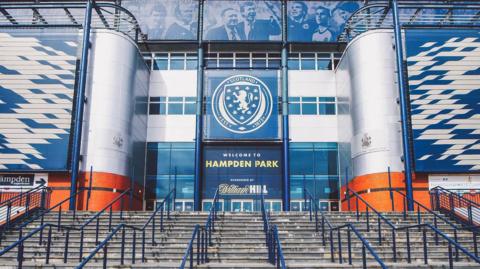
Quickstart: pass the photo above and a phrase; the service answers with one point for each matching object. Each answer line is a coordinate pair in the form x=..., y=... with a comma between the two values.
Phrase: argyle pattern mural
x=37, y=77
x=444, y=83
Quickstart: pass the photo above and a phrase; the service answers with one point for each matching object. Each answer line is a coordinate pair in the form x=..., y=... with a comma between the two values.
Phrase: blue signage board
x=242, y=20
x=241, y=105
x=318, y=21
x=166, y=19
x=445, y=98
x=36, y=93
x=242, y=171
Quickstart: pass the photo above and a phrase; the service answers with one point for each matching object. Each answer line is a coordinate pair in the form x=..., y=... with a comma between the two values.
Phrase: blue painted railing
x=315, y=211
x=456, y=206
x=424, y=227
x=59, y=226
x=141, y=230
x=275, y=253
x=203, y=237
x=22, y=204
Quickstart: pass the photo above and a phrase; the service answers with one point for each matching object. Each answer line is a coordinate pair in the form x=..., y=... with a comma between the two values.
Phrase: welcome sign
x=242, y=171
x=242, y=105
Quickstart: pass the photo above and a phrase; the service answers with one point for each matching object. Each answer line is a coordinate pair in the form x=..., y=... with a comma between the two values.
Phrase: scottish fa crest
x=242, y=104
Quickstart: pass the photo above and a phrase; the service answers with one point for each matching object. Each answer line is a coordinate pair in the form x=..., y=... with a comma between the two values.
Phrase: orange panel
x=105, y=188
x=374, y=189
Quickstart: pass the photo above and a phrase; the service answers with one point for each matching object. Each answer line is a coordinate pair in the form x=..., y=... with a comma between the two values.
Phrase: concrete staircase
x=166, y=252
x=238, y=242
x=303, y=248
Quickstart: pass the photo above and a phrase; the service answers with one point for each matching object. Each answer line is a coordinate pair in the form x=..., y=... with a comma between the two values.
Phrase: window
x=314, y=166
x=170, y=165
x=294, y=106
x=326, y=106
x=311, y=106
x=242, y=60
x=175, y=61
x=191, y=61
x=158, y=105
x=225, y=60
x=160, y=61
x=307, y=61
x=174, y=106
x=293, y=61
x=312, y=61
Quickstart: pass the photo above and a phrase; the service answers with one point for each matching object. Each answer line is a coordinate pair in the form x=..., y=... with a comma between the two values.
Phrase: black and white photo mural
x=318, y=21
x=242, y=20
x=166, y=19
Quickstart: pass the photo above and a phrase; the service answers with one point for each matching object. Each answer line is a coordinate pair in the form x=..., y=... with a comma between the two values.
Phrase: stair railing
x=275, y=253
x=122, y=227
x=349, y=227
x=436, y=217
x=424, y=227
x=22, y=204
x=42, y=216
x=203, y=237
x=449, y=202
x=58, y=226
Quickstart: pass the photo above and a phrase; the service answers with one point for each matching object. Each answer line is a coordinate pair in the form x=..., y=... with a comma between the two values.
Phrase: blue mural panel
x=241, y=105
x=242, y=171
x=318, y=21
x=242, y=20
x=37, y=77
x=166, y=19
x=445, y=99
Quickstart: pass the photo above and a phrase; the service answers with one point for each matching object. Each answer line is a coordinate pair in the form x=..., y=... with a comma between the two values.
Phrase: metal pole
x=79, y=105
x=390, y=189
x=89, y=194
x=403, y=106
x=285, y=132
x=199, y=119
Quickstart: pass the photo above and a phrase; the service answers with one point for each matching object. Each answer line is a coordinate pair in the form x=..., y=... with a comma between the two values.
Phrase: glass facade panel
x=170, y=165
x=309, y=108
x=175, y=108
x=314, y=166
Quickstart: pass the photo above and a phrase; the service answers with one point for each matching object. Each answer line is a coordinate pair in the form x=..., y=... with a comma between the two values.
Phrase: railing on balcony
x=69, y=15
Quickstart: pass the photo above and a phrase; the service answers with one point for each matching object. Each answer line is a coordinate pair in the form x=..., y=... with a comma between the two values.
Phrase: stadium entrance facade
x=255, y=98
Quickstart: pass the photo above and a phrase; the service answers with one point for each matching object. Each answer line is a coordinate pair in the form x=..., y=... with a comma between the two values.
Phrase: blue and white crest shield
x=242, y=104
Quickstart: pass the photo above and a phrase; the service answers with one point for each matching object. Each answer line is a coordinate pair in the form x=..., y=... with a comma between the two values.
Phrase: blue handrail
x=419, y=226
x=189, y=250
x=350, y=228
x=21, y=194
x=203, y=235
x=27, y=201
x=275, y=253
x=448, y=202
x=59, y=227
x=122, y=227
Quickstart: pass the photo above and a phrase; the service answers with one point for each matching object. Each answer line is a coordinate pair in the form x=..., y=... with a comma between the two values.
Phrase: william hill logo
x=242, y=164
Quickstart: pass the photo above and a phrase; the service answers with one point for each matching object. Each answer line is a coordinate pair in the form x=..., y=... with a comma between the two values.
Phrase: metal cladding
x=375, y=129
x=115, y=117
x=445, y=97
x=37, y=77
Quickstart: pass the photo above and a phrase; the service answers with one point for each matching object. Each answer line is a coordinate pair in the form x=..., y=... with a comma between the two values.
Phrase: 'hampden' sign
x=17, y=180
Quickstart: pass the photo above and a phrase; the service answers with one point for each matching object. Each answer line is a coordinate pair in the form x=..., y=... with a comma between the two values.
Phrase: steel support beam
x=285, y=132
x=407, y=159
x=79, y=105
x=197, y=202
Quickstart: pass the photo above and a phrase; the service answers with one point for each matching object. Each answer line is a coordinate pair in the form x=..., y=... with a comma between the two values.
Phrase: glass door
x=242, y=206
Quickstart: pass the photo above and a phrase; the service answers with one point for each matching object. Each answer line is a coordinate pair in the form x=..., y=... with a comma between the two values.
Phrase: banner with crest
x=241, y=105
